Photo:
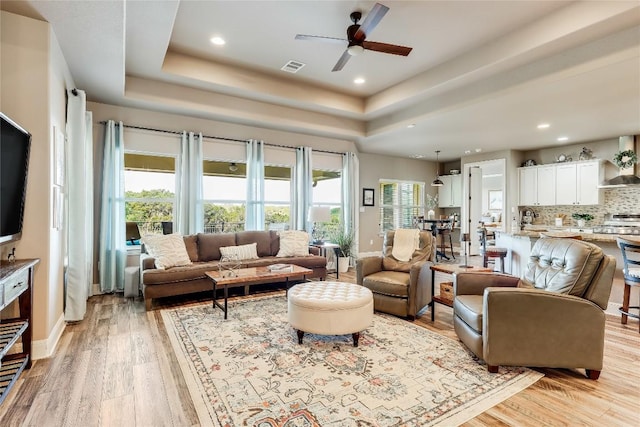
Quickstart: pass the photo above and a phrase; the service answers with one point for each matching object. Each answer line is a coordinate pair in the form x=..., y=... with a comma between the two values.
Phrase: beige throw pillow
x=293, y=243
x=169, y=250
x=240, y=252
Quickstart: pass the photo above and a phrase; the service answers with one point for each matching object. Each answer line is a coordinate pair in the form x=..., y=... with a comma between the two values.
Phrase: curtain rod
x=217, y=137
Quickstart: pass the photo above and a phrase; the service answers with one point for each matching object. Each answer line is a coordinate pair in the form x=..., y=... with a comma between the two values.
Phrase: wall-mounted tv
x=14, y=161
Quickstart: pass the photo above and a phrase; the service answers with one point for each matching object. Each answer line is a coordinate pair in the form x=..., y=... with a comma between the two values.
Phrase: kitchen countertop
x=535, y=230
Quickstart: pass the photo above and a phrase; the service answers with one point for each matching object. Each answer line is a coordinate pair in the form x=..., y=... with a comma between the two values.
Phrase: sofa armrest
x=533, y=327
x=147, y=262
x=366, y=266
x=475, y=283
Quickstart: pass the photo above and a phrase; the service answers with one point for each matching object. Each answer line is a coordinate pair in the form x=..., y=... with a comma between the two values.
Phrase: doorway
x=484, y=196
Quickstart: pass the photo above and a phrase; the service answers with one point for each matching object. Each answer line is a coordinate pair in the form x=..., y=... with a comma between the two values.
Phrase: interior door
x=475, y=207
x=471, y=206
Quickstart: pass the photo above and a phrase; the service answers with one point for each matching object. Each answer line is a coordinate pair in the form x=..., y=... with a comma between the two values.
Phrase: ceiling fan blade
x=373, y=17
x=342, y=61
x=393, y=49
x=320, y=38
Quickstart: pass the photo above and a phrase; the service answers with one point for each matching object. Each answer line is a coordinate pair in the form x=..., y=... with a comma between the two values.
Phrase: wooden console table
x=16, y=281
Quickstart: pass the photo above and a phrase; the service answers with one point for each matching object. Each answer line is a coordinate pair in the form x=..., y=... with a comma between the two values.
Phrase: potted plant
x=581, y=218
x=345, y=241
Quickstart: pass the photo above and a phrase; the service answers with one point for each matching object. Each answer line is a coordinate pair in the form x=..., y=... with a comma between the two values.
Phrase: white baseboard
x=612, y=308
x=42, y=349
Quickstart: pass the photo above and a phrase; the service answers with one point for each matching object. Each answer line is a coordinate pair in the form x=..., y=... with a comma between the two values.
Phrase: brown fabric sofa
x=204, y=252
x=551, y=317
x=399, y=288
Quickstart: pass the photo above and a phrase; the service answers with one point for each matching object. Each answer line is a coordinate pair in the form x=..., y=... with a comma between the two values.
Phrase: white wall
x=32, y=81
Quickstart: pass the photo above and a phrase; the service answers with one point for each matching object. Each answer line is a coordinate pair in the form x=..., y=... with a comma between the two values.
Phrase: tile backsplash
x=615, y=200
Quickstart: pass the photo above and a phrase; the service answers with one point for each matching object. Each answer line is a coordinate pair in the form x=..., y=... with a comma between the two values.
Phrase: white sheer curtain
x=302, y=188
x=350, y=184
x=112, y=247
x=254, y=217
x=79, y=190
x=190, y=212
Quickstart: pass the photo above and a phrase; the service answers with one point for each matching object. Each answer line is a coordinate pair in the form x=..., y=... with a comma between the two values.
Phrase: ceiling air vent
x=292, y=66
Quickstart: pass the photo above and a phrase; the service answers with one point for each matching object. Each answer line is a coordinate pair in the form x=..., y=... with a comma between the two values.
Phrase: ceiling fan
x=357, y=37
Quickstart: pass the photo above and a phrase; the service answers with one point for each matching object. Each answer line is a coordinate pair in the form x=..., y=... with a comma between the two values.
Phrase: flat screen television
x=15, y=143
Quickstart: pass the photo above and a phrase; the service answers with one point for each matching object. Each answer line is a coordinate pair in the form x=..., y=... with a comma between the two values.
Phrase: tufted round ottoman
x=330, y=308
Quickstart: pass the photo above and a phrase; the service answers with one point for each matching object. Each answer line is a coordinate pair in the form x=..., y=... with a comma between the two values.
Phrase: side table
x=453, y=270
x=324, y=248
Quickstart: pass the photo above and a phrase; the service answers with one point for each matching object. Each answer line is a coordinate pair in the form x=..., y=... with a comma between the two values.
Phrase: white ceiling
x=482, y=74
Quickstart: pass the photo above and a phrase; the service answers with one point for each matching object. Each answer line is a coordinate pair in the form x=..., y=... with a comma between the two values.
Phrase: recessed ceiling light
x=412, y=125
x=563, y=139
x=418, y=156
x=467, y=151
x=218, y=41
x=543, y=126
x=478, y=150
x=359, y=81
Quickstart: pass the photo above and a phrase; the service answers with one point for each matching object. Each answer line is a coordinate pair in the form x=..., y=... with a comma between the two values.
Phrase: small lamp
x=318, y=214
x=465, y=239
x=133, y=232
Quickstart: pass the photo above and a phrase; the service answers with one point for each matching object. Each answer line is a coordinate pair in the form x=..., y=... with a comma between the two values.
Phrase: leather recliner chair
x=399, y=288
x=551, y=317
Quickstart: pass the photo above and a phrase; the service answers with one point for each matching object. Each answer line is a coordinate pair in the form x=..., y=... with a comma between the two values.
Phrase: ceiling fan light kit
x=357, y=35
x=355, y=50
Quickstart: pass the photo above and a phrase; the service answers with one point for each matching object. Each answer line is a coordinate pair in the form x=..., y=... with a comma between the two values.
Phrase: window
x=224, y=189
x=277, y=197
x=327, y=191
x=149, y=184
x=400, y=202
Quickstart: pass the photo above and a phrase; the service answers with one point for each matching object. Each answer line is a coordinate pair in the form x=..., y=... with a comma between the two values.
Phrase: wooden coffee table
x=252, y=276
x=453, y=270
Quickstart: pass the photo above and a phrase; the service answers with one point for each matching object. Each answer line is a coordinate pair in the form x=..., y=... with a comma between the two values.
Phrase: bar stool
x=443, y=232
x=490, y=253
x=631, y=271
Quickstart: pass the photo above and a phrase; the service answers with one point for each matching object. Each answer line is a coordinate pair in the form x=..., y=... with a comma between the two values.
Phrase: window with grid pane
x=400, y=202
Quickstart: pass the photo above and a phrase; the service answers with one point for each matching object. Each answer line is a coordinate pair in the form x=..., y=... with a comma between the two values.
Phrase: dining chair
x=631, y=271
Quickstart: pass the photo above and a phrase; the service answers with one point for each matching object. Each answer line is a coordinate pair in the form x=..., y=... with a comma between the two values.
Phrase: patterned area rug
x=250, y=371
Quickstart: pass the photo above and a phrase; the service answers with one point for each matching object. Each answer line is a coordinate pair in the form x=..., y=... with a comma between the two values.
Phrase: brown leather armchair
x=551, y=317
x=399, y=288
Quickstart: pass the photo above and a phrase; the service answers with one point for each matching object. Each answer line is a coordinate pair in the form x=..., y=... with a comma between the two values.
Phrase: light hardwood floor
x=117, y=368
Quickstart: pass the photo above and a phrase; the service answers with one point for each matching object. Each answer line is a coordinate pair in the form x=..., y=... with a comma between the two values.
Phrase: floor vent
x=292, y=66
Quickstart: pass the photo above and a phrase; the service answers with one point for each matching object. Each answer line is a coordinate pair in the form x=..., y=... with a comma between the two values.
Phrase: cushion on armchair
x=562, y=266
x=425, y=252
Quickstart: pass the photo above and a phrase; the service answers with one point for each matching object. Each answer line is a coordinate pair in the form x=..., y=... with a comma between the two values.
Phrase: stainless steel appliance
x=620, y=223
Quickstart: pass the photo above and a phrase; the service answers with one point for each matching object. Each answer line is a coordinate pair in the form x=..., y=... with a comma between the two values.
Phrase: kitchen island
x=521, y=242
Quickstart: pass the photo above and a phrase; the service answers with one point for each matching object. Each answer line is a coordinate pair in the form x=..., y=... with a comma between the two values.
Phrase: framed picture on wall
x=495, y=199
x=368, y=195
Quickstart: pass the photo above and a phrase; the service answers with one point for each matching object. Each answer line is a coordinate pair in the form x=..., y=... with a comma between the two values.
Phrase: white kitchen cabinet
x=537, y=185
x=450, y=194
x=577, y=183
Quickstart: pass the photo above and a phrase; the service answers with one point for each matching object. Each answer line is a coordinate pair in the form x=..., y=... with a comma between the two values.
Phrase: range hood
x=627, y=176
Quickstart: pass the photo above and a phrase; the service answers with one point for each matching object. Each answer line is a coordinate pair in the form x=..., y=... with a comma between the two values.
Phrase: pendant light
x=437, y=182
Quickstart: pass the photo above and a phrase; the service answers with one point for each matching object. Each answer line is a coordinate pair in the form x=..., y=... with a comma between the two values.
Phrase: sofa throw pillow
x=168, y=250
x=293, y=243
x=240, y=252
